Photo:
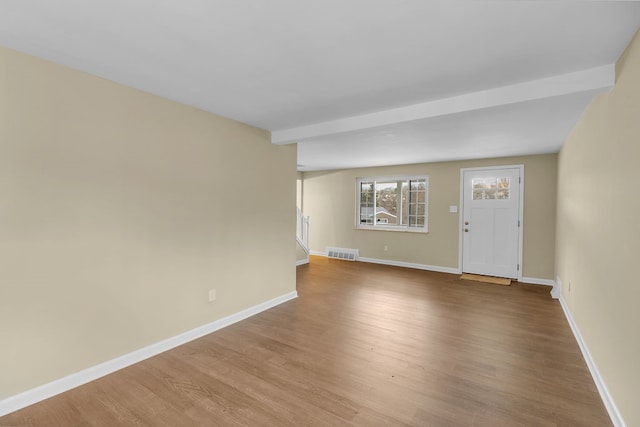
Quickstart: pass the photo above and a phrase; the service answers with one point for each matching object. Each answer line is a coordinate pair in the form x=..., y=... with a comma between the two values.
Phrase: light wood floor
x=363, y=344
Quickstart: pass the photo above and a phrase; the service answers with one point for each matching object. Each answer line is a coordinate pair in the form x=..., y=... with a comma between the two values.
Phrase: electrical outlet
x=212, y=295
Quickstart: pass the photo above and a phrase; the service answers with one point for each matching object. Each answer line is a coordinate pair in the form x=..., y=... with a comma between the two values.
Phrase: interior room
x=152, y=155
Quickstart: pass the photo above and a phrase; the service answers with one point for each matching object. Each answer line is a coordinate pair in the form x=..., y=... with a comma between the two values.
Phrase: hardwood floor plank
x=363, y=345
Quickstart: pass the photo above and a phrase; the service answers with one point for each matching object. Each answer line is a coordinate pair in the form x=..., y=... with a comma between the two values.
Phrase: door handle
x=466, y=223
x=466, y=230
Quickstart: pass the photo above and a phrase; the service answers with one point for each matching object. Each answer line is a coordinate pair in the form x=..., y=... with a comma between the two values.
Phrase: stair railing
x=302, y=230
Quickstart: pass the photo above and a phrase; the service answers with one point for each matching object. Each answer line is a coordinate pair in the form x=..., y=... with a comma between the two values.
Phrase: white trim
x=520, y=213
x=607, y=399
x=598, y=78
x=521, y=223
x=536, y=281
x=427, y=267
x=302, y=261
x=390, y=178
x=45, y=391
x=460, y=220
x=556, y=292
x=450, y=270
x=436, y=268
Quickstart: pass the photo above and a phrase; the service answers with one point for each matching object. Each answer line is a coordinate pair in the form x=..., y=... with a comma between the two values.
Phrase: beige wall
x=599, y=232
x=119, y=210
x=329, y=199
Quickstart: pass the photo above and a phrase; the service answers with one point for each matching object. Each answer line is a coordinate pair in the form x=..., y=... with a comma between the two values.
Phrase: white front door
x=491, y=221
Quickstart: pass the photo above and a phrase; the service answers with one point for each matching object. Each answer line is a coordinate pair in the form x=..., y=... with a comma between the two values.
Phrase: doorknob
x=466, y=223
x=466, y=230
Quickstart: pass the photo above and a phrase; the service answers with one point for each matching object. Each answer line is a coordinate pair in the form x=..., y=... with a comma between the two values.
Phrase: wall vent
x=343, y=253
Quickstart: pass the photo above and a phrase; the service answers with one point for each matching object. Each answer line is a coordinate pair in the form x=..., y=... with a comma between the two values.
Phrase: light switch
x=453, y=209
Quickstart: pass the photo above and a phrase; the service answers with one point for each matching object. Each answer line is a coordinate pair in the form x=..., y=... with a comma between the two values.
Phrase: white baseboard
x=536, y=281
x=61, y=385
x=607, y=399
x=557, y=288
x=400, y=264
x=451, y=270
x=410, y=265
x=302, y=261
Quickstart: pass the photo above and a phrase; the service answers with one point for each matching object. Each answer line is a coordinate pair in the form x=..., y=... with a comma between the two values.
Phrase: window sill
x=395, y=230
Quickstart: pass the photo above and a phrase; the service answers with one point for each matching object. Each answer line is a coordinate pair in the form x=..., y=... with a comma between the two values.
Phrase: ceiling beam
x=591, y=79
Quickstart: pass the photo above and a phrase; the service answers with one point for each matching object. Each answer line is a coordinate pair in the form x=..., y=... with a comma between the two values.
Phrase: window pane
x=503, y=182
x=503, y=188
x=416, y=221
x=417, y=206
x=477, y=193
x=490, y=183
x=366, y=192
x=403, y=215
x=418, y=185
x=366, y=203
x=387, y=203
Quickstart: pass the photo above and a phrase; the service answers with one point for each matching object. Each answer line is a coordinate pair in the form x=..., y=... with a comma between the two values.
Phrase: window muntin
x=393, y=203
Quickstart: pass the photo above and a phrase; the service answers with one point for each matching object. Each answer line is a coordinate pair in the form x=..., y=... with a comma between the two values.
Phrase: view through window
x=393, y=203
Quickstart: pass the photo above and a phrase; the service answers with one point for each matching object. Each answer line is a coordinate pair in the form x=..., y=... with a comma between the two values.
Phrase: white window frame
x=387, y=227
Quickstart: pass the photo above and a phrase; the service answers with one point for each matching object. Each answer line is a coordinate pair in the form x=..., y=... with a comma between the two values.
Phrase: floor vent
x=343, y=253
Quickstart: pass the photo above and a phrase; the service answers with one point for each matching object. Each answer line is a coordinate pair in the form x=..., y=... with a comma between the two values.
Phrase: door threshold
x=486, y=279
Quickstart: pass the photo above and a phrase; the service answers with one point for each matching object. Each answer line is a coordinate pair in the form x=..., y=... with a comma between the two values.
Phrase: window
x=392, y=203
x=490, y=188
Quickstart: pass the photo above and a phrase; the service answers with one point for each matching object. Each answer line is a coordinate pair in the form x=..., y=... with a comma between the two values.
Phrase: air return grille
x=343, y=253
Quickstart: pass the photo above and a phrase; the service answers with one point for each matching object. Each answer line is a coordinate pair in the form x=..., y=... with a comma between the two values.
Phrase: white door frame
x=520, y=212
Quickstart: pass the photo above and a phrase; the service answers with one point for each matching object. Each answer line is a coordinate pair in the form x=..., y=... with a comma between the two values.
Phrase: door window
x=492, y=188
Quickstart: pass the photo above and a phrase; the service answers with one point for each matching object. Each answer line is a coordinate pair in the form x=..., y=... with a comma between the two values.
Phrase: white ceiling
x=354, y=82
